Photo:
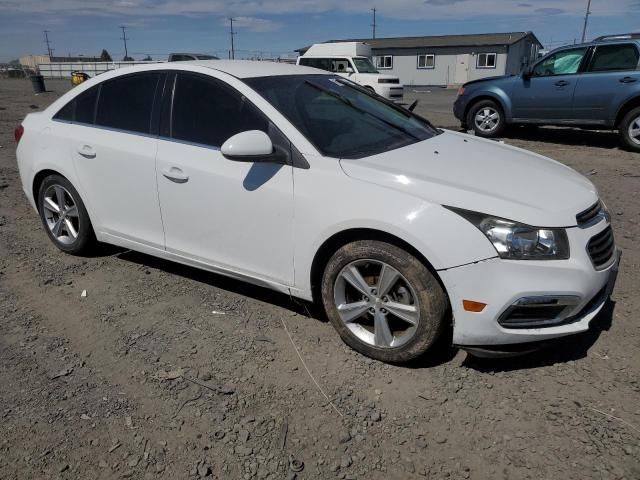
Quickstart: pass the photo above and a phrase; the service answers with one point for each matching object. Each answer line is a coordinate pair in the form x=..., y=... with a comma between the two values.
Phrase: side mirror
x=527, y=72
x=349, y=70
x=251, y=146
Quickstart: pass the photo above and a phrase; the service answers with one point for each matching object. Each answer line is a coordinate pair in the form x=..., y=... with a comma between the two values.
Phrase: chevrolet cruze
x=303, y=182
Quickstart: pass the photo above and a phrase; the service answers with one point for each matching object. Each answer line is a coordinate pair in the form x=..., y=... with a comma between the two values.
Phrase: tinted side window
x=86, y=105
x=126, y=103
x=321, y=63
x=566, y=62
x=614, y=57
x=66, y=112
x=208, y=112
x=80, y=109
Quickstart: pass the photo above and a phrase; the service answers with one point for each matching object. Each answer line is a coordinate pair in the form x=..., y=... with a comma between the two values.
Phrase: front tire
x=486, y=118
x=64, y=216
x=382, y=301
x=629, y=130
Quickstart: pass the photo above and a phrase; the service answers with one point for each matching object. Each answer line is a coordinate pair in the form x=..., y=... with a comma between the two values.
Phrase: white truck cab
x=353, y=61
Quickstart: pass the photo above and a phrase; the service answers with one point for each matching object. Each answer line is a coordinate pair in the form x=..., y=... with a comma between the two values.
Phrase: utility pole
x=374, y=22
x=46, y=40
x=124, y=39
x=586, y=19
x=233, y=51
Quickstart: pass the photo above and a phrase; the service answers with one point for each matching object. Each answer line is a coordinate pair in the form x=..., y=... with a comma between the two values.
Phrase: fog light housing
x=539, y=311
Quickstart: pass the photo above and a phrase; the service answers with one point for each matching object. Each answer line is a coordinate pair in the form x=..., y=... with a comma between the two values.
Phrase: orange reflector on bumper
x=471, y=306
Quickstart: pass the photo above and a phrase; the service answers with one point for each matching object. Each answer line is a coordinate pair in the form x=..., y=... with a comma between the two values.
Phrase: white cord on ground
x=307, y=368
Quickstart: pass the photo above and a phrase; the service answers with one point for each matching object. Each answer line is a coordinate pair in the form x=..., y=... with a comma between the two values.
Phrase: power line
x=124, y=39
x=46, y=40
x=586, y=20
x=232, y=33
x=374, y=22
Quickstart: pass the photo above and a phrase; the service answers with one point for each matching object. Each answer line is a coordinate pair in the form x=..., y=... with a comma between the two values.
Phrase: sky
x=278, y=27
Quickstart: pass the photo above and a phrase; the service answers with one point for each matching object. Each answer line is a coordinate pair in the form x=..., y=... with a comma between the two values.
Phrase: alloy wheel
x=61, y=214
x=634, y=131
x=487, y=119
x=376, y=303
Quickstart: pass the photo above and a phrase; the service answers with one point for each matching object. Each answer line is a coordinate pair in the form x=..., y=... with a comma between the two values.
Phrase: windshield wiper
x=347, y=101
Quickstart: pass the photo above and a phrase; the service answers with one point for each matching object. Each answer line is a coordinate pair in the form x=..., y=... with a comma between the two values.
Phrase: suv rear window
x=126, y=102
x=609, y=58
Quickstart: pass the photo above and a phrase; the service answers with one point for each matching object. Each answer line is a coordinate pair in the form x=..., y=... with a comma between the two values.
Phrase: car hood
x=488, y=79
x=466, y=172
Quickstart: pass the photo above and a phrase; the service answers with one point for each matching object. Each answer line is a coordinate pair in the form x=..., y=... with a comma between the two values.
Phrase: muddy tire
x=382, y=301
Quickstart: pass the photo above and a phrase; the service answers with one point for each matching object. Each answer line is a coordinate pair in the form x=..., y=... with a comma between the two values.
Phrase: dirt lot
x=163, y=371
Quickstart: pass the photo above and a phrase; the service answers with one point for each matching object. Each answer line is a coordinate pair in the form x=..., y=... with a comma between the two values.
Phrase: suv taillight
x=18, y=132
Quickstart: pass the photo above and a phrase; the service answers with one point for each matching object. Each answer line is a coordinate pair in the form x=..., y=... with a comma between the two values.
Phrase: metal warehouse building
x=451, y=59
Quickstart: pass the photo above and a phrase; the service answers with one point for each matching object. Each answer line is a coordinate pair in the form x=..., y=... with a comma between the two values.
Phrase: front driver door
x=231, y=215
x=548, y=93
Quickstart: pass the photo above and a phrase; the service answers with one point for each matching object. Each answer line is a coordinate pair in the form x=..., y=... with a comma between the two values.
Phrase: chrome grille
x=589, y=214
x=602, y=247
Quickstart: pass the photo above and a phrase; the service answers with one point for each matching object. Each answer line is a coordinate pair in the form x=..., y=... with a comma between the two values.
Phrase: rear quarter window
x=81, y=109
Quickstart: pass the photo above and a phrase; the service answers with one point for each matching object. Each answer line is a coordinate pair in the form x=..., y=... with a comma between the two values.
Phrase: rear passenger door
x=231, y=215
x=612, y=76
x=114, y=145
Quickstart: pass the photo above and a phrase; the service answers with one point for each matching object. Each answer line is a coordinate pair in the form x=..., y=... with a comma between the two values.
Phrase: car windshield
x=340, y=118
x=364, y=65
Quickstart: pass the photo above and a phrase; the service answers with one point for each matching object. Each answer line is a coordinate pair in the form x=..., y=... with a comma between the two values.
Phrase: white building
x=452, y=59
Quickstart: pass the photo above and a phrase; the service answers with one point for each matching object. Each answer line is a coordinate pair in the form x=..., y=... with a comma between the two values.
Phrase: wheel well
x=332, y=244
x=480, y=99
x=626, y=108
x=37, y=181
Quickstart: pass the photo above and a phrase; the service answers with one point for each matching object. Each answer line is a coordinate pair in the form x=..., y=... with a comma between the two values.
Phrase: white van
x=353, y=60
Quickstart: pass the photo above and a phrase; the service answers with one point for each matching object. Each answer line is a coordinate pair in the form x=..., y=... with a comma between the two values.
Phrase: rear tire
x=64, y=216
x=629, y=130
x=394, y=320
x=486, y=118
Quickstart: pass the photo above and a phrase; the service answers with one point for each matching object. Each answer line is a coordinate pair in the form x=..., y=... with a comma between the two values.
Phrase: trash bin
x=37, y=82
x=78, y=77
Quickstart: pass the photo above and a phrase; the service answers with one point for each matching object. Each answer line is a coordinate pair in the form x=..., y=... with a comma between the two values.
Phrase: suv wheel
x=486, y=119
x=64, y=216
x=629, y=129
x=383, y=301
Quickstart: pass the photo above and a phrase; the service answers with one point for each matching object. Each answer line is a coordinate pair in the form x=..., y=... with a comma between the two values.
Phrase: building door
x=461, y=74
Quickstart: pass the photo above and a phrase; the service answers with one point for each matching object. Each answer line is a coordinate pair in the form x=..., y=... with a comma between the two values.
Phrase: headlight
x=461, y=91
x=516, y=241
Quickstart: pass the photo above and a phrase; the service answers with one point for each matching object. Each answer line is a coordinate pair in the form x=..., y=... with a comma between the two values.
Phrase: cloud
x=253, y=24
x=263, y=10
x=442, y=2
x=550, y=11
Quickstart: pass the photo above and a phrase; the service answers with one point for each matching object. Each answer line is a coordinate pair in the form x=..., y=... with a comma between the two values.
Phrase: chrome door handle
x=87, y=151
x=628, y=80
x=561, y=83
x=175, y=175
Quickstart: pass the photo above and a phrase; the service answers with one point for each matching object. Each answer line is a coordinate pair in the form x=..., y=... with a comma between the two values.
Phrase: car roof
x=593, y=43
x=253, y=68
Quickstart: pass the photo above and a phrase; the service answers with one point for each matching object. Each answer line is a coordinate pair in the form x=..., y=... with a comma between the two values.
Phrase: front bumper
x=500, y=283
x=459, y=107
x=391, y=91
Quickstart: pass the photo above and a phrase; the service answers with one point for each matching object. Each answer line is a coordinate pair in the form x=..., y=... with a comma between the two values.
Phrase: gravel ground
x=163, y=371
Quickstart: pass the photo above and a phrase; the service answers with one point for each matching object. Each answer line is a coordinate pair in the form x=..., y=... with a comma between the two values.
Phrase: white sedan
x=305, y=183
